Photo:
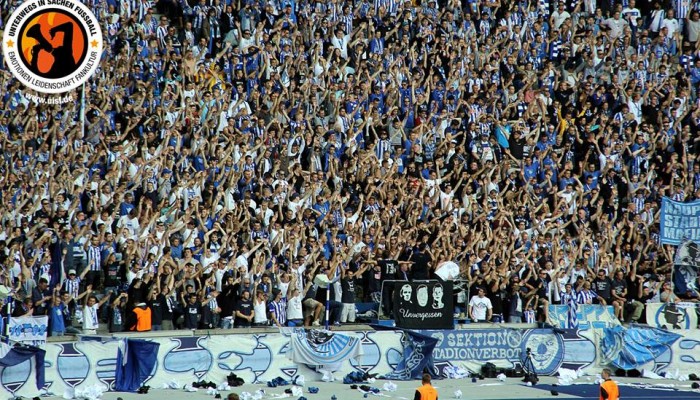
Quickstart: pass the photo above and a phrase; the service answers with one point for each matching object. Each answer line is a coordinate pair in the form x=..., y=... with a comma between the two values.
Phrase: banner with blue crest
x=321, y=347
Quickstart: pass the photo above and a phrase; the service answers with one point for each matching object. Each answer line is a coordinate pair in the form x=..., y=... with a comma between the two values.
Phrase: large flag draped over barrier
x=136, y=360
x=417, y=355
x=631, y=348
x=321, y=347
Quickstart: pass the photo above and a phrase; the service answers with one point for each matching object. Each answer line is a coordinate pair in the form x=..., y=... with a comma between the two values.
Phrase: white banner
x=29, y=330
x=672, y=315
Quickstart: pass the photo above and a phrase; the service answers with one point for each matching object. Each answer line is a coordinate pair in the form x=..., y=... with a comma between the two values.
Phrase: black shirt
x=192, y=312
x=389, y=268
x=37, y=295
x=602, y=287
x=157, y=306
x=245, y=307
x=421, y=263
x=112, y=275
x=348, y=286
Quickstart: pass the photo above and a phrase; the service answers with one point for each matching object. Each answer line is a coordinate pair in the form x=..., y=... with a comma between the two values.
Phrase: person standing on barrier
x=608, y=388
x=426, y=391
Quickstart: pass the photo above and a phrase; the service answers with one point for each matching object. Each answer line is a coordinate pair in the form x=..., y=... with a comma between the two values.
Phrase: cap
x=71, y=272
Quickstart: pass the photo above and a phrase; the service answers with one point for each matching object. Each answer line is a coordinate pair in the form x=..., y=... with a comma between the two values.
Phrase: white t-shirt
x=260, y=309
x=90, y=317
x=294, y=308
x=559, y=18
x=480, y=306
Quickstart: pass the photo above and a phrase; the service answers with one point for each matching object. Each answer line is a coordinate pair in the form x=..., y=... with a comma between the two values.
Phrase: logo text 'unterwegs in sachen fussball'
x=52, y=46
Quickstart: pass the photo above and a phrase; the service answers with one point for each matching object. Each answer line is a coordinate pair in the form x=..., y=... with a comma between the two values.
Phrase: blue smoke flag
x=631, y=348
x=417, y=355
x=20, y=354
x=136, y=361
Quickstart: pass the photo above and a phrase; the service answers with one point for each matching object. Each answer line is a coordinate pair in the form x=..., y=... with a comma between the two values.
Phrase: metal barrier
x=460, y=291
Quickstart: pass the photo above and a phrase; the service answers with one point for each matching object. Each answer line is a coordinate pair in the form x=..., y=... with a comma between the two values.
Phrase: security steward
x=143, y=318
x=608, y=388
x=427, y=391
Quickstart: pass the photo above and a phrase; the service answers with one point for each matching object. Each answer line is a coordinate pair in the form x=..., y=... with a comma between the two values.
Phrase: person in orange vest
x=608, y=388
x=143, y=318
x=427, y=391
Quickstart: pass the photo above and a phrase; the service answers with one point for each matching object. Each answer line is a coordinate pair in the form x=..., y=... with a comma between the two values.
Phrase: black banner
x=423, y=305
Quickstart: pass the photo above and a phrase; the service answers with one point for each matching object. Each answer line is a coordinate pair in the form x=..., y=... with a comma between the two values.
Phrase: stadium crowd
x=230, y=152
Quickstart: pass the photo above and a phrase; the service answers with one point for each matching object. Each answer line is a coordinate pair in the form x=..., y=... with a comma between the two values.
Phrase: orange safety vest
x=427, y=392
x=143, y=319
x=611, y=389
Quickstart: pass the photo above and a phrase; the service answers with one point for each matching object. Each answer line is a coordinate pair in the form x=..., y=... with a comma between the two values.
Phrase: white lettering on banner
x=476, y=354
x=422, y=316
x=28, y=330
x=679, y=221
x=500, y=338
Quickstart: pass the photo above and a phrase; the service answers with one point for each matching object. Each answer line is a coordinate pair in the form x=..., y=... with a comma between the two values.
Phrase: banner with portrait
x=424, y=304
x=672, y=315
x=686, y=264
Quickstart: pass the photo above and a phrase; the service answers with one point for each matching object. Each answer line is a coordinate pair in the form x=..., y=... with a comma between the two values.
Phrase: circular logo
x=546, y=348
x=670, y=316
x=52, y=46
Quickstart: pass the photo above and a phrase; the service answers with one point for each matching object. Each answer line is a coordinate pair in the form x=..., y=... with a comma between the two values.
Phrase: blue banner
x=417, y=355
x=634, y=347
x=506, y=348
x=679, y=221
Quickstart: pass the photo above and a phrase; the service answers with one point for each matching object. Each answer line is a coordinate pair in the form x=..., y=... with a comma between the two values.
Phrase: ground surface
x=489, y=389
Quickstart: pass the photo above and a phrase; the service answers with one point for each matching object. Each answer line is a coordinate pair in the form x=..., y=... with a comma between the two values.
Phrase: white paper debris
x=172, y=385
x=390, y=386
x=212, y=392
x=501, y=377
x=297, y=391
x=327, y=376
x=650, y=374
x=189, y=388
x=458, y=394
x=299, y=380
x=224, y=387
x=93, y=392
x=246, y=396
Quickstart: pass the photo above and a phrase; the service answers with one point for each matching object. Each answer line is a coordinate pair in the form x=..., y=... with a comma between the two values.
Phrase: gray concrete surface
x=489, y=389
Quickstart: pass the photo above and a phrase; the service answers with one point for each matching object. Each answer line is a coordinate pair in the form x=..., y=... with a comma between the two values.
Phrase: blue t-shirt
x=58, y=324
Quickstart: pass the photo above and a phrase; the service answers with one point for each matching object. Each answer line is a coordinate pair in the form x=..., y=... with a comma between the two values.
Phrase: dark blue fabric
x=141, y=357
x=417, y=355
x=18, y=355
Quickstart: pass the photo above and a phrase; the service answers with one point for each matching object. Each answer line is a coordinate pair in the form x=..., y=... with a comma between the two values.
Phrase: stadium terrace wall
x=262, y=357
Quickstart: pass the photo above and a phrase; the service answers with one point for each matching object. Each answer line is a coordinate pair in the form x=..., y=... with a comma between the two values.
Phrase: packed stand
x=233, y=152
